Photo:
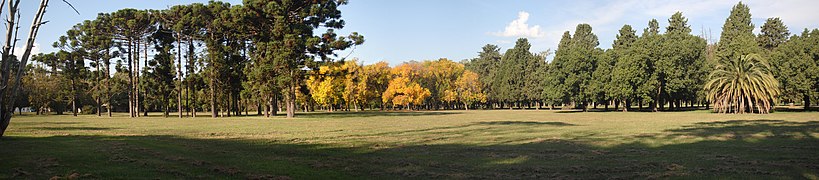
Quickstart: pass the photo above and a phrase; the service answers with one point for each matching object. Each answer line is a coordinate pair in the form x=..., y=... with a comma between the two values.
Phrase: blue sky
x=398, y=31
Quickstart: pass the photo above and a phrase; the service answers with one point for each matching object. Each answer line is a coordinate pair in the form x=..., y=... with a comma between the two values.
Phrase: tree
x=10, y=91
x=513, y=65
x=795, y=65
x=130, y=27
x=583, y=55
x=486, y=66
x=286, y=28
x=439, y=77
x=404, y=89
x=161, y=68
x=645, y=46
x=742, y=84
x=72, y=55
x=327, y=85
x=773, y=33
x=626, y=72
x=600, y=85
x=556, y=91
x=737, y=38
x=376, y=79
x=680, y=68
x=469, y=89
x=353, y=88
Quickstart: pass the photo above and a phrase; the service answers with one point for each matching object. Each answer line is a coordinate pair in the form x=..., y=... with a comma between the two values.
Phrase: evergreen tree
x=626, y=71
x=486, y=66
x=737, y=38
x=680, y=70
x=796, y=67
x=773, y=33
x=510, y=79
x=556, y=91
x=580, y=64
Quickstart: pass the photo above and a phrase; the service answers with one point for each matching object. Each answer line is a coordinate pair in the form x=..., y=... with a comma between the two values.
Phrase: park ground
x=489, y=144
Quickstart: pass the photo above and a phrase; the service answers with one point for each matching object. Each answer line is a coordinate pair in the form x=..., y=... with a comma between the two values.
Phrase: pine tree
x=773, y=33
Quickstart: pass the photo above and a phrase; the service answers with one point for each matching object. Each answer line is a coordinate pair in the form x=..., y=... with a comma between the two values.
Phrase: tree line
x=233, y=55
x=657, y=68
x=263, y=57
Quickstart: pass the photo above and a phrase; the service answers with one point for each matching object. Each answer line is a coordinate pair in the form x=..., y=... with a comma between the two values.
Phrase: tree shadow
x=526, y=123
x=45, y=123
x=72, y=128
x=777, y=154
x=743, y=129
x=360, y=114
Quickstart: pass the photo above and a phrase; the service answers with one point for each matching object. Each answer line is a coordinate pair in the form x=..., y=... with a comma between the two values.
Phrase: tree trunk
x=213, y=99
x=165, y=100
x=130, y=79
x=625, y=105
x=97, y=90
x=191, y=70
x=108, y=83
x=806, y=98
x=136, y=77
x=656, y=101
x=73, y=96
x=267, y=108
x=291, y=96
x=179, y=72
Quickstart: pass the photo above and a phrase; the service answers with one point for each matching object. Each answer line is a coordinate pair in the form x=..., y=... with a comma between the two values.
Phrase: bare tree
x=9, y=92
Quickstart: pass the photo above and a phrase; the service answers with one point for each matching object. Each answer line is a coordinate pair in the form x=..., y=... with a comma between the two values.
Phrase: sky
x=399, y=31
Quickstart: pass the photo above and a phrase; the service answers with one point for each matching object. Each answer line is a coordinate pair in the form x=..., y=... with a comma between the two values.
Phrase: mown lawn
x=496, y=144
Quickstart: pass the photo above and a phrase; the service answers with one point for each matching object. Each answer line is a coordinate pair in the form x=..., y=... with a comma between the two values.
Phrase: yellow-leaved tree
x=469, y=89
x=326, y=86
x=402, y=89
x=351, y=72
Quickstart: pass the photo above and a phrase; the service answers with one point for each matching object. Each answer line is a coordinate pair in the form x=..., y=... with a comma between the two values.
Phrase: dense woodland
x=263, y=57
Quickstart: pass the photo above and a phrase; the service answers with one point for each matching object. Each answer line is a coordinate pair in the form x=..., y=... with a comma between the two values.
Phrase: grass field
x=497, y=144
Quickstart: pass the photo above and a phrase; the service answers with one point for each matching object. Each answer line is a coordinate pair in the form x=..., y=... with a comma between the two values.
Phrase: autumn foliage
x=408, y=86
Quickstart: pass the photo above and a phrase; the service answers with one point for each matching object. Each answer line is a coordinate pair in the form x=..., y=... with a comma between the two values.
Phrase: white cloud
x=520, y=28
x=18, y=51
x=795, y=14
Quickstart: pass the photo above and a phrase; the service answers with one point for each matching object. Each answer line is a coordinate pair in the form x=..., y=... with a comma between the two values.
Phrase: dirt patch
x=19, y=172
x=267, y=177
x=47, y=163
x=226, y=170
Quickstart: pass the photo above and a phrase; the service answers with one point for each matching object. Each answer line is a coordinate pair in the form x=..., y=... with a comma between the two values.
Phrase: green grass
x=497, y=144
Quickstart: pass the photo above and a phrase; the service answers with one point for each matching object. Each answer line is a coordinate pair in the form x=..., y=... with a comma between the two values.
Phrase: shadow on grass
x=72, y=128
x=359, y=114
x=777, y=155
x=794, y=109
x=525, y=123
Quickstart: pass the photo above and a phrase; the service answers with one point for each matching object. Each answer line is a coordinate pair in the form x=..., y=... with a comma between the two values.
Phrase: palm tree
x=742, y=84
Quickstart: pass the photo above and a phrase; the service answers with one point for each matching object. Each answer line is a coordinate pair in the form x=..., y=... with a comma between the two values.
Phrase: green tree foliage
x=284, y=31
x=511, y=84
x=743, y=84
x=772, y=34
x=680, y=70
x=160, y=71
x=580, y=64
x=796, y=66
x=737, y=38
x=375, y=79
x=629, y=71
x=486, y=66
x=556, y=91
